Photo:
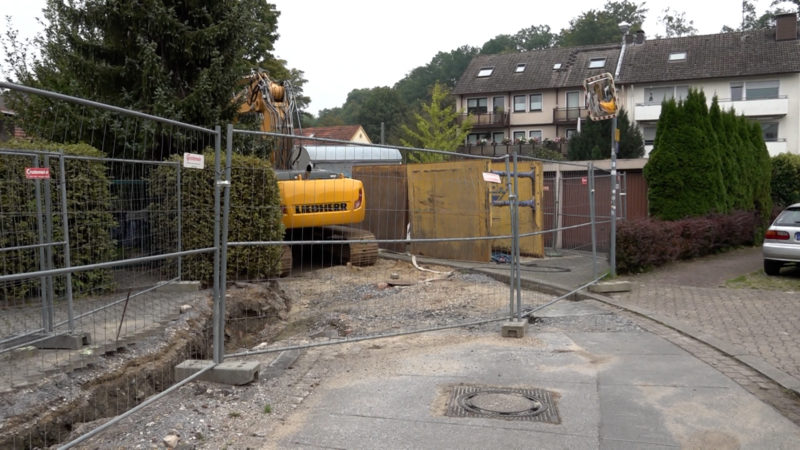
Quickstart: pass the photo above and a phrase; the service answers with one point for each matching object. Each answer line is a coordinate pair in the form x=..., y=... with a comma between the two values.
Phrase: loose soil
x=314, y=307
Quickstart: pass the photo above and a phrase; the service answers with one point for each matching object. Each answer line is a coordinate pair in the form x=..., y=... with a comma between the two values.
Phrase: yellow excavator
x=317, y=204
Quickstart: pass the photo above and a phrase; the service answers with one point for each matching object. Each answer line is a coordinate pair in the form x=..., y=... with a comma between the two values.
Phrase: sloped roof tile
x=539, y=70
x=723, y=55
x=340, y=132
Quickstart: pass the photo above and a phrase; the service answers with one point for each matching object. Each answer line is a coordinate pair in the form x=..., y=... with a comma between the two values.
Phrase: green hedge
x=90, y=221
x=785, y=179
x=255, y=215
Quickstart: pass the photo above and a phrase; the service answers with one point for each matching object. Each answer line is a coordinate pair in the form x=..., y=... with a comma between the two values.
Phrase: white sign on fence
x=491, y=177
x=193, y=161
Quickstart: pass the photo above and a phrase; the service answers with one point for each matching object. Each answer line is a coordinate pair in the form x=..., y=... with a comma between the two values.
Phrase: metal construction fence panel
x=90, y=259
x=156, y=242
x=567, y=206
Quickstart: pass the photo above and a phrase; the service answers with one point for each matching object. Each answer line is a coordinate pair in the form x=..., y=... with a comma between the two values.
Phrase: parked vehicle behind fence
x=782, y=240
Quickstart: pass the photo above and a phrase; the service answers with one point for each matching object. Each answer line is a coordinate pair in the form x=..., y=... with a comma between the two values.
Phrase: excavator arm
x=275, y=104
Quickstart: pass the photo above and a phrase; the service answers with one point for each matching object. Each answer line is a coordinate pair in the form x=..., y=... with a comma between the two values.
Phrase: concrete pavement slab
x=612, y=390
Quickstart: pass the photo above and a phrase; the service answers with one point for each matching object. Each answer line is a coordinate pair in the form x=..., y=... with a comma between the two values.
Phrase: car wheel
x=772, y=267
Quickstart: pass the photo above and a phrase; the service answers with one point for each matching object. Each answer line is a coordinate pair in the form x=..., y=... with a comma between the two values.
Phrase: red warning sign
x=37, y=173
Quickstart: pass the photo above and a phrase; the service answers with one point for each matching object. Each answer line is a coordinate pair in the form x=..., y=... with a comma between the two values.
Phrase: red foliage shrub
x=644, y=244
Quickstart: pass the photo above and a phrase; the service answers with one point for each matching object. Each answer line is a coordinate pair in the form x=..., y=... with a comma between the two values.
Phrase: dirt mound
x=254, y=312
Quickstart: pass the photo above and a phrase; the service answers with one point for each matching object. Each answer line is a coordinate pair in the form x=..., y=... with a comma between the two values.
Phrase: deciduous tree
x=502, y=43
x=676, y=24
x=535, y=37
x=602, y=26
x=445, y=68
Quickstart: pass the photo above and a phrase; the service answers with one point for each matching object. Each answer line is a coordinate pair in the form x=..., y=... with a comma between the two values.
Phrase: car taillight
x=357, y=204
x=777, y=234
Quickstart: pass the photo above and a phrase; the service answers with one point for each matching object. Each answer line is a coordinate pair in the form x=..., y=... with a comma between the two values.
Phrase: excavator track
x=356, y=254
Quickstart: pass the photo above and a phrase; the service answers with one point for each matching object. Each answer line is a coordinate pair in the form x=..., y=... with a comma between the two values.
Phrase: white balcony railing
x=774, y=107
x=647, y=112
x=773, y=147
x=755, y=108
x=776, y=147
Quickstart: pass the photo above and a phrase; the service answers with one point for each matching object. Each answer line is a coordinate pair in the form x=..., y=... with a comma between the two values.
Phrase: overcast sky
x=352, y=44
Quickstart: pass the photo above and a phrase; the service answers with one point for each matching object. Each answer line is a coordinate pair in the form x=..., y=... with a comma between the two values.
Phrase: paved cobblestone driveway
x=763, y=323
x=757, y=323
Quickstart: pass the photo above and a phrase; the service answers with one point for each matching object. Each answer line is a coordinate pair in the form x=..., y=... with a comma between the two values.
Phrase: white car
x=782, y=240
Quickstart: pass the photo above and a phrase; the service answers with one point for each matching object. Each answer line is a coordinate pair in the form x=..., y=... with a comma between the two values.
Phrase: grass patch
x=267, y=408
x=787, y=281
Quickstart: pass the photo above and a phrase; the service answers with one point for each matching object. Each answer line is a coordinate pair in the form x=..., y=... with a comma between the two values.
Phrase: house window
x=498, y=137
x=498, y=104
x=519, y=136
x=476, y=105
x=677, y=56
x=519, y=103
x=520, y=68
x=536, y=135
x=535, y=102
x=597, y=63
x=755, y=90
x=770, y=131
x=656, y=95
x=485, y=72
x=649, y=135
x=476, y=138
x=571, y=132
x=737, y=91
x=556, y=66
x=573, y=105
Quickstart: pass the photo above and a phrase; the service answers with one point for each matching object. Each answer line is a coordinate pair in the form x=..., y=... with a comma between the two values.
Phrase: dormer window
x=556, y=66
x=485, y=72
x=677, y=56
x=520, y=68
x=597, y=63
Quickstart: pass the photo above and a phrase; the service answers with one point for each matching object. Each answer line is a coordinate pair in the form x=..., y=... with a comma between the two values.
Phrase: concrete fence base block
x=228, y=372
x=68, y=341
x=514, y=329
x=606, y=287
x=180, y=287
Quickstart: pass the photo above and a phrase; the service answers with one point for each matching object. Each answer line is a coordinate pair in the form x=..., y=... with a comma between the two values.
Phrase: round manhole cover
x=504, y=403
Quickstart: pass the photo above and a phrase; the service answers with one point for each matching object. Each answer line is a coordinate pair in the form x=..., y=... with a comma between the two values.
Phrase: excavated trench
x=97, y=392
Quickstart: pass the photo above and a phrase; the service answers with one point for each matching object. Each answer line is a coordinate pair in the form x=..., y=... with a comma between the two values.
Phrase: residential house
x=7, y=127
x=352, y=133
x=539, y=94
x=530, y=95
x=757, y=73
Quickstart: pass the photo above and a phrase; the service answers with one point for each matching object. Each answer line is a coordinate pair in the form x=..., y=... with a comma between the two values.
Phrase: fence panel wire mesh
x=89, y=211
x=568, y=207
x=425, y=253
x=356, y=279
